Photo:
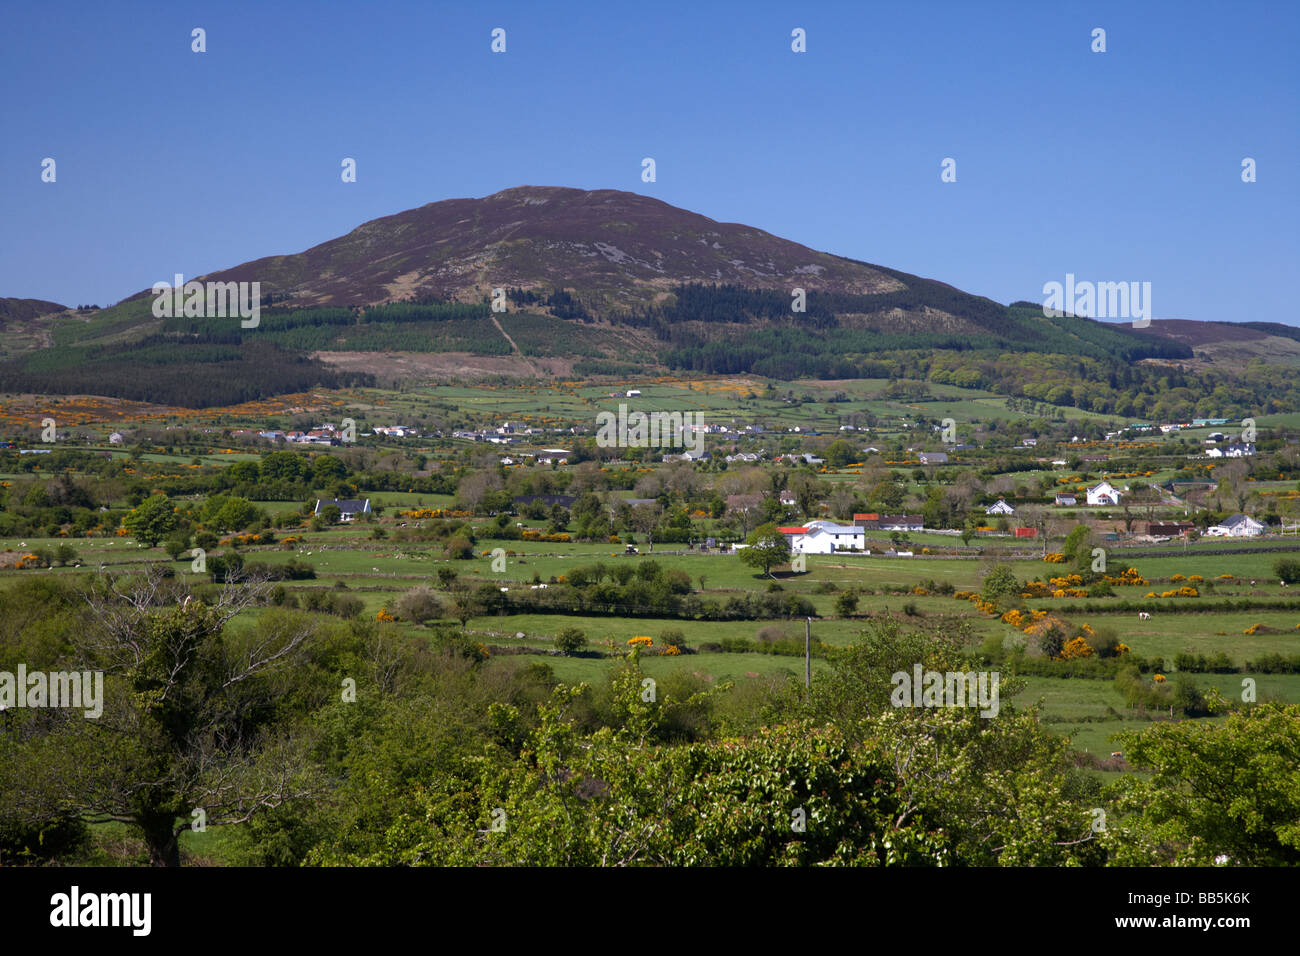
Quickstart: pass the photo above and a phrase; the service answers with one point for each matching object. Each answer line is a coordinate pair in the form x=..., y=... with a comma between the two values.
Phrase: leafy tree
x=284, y=466
x=841, y=453
x=244, y=472
x=325, y=469
x=570, y=639
x=766, y=547
x=188, y=722
x=176, y=545
x=887, y=495
x=1287, y=570
x=1000, y=583
x=151, y=520
x=1228, y=790
x=846, y=604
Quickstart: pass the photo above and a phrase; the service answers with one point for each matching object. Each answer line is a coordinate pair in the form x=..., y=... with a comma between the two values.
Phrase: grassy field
x=377, y=570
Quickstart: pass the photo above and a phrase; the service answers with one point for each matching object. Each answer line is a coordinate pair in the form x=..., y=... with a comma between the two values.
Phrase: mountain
x=1230, y=344
x=619, y=250
x=19, y=310
x=596, y=281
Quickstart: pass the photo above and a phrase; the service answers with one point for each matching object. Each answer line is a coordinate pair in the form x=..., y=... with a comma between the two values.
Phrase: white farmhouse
x=1103, y=493
x=1000, y=508
x=824, y=537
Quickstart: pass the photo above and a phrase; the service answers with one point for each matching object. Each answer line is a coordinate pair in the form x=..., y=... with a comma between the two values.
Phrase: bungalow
x=788, y=498
x=1236, y=526
x=349, y=508
x=1000, y=508
x=933, y=458
x=1067, y=501
x=1103, y=493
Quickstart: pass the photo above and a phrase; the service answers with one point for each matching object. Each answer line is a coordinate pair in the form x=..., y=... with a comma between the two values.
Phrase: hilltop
x=595, y=282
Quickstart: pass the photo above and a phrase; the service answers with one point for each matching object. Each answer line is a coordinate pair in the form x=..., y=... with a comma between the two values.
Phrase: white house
x=824, y=537
x=1103, y=493
x=1236, y=526
x=1232, y=450
x=633, y=393
x=1066, y=500
x=999, y=508
x=349, y=508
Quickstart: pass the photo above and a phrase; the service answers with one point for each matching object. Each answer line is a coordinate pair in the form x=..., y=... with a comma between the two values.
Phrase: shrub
x=419, y=605
x=1287, y=570
x=673, y=637
x=570, y=639
x=846, y=605
x=459, y=548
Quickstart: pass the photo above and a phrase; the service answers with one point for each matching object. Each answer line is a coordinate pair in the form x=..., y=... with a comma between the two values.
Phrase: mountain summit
x=617, y=250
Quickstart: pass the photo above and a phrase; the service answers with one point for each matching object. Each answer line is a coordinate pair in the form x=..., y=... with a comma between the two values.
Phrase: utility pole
x=807, y=653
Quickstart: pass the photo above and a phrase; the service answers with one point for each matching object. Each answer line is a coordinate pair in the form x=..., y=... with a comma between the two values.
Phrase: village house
x=1067, y=501
x=1236, y=526
x=1232, y=450
x=933, y=458
x=824, y=537
x=1000, y=507
x=1104, y=493
x=349, y=508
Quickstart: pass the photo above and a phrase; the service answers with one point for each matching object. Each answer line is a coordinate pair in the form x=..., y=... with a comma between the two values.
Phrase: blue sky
x=1115, y=166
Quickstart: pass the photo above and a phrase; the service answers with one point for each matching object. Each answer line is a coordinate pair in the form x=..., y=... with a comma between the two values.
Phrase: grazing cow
x=1144, y=615
x=1116, y=753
